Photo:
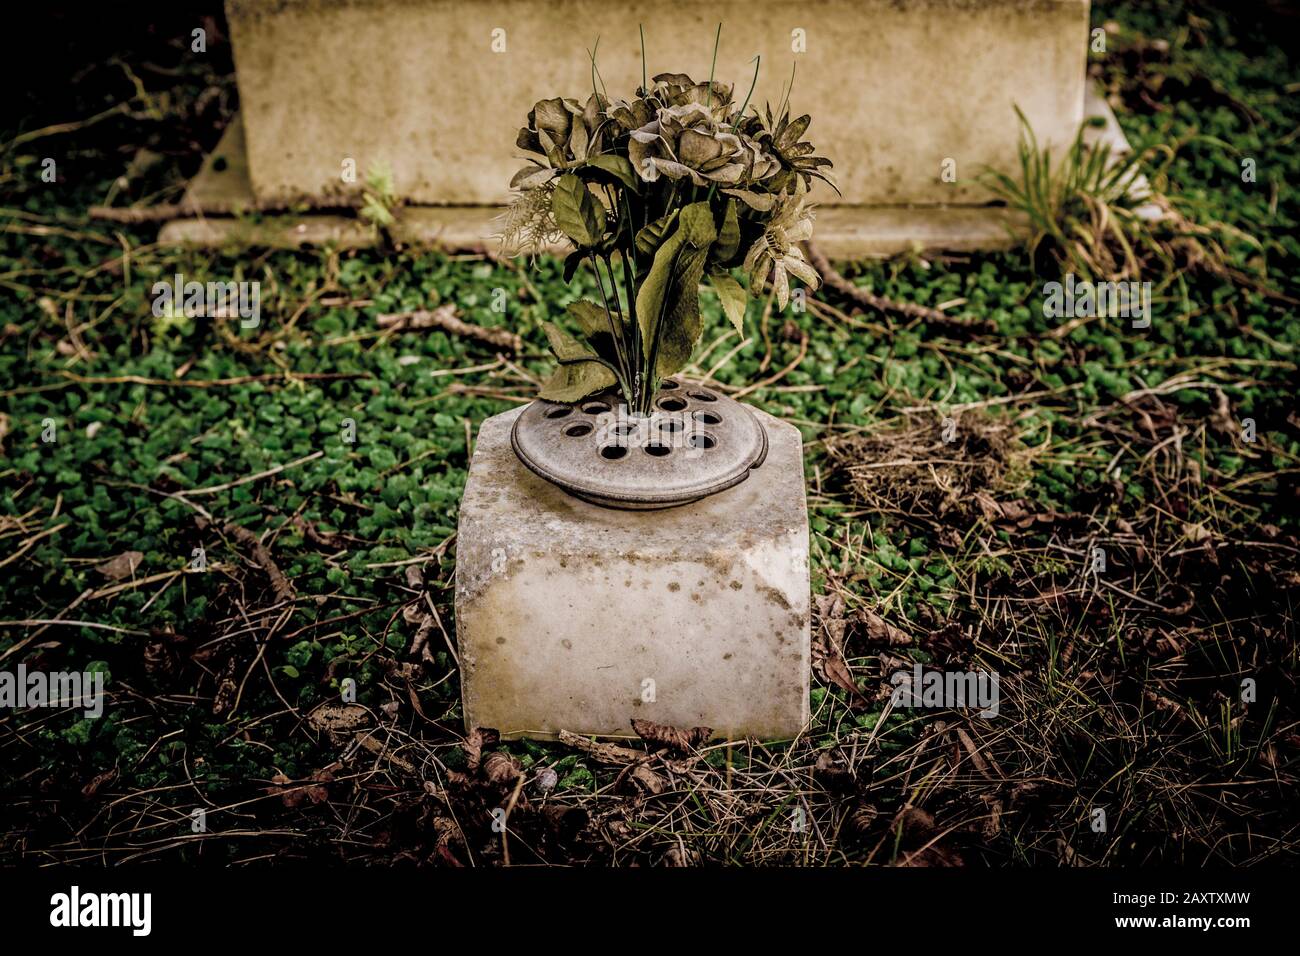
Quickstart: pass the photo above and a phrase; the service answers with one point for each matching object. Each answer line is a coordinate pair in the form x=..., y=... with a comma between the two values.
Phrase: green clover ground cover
x=207, y=711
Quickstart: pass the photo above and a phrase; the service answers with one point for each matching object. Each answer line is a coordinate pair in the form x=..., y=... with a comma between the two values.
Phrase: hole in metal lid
x=657, y=449
x=595, y=408
x=702, y=396
x=672, y=404
x=559, y=411
x=708, y=418
x=613, y=452
x=701, y=440
x=577, y=429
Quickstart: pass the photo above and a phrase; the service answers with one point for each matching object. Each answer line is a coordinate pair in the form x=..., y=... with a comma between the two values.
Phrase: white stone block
x=570, y=616
x=437, y=89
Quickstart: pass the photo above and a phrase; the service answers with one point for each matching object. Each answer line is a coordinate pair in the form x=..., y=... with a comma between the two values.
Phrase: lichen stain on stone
x=674, y=586
x=775, y=596
x=735, y=585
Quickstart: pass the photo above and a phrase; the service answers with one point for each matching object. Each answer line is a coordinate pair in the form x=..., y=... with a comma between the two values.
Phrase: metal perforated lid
x=696, y=443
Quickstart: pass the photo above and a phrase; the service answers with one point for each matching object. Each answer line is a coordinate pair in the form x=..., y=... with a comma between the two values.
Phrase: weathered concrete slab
x=843, y=232
x=274, y=232
x=438, y=88
x=570, y=616
x=223, y=183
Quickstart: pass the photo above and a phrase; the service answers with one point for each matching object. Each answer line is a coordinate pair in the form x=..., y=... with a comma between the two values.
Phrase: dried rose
x=686, y=142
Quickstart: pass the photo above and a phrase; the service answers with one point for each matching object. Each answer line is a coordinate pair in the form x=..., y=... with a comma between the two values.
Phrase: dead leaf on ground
x=98, y=782
x=314, y=790
x=1222, y=421
x=224, y=697
x=830, y=770
x=976, y=757
x=827, y=652
x=476, y=741
x=881, y=631
x=935, y=855
x=120, y=566
x=681, y=855
x=859, y=821
x=606, y=753
x=920, y=840
x=993, y=825
x=501, y=769
x=333, y=717
x=1017, y=513
x=682, y=741
x=650, y=781
x=948, y=641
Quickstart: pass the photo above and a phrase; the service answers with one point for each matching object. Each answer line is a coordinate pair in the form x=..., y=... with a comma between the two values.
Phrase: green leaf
x=574, y=382
x=577, y=212
x=597, y=329
x=733, y=298
x=697, y=225
x=616, y=167
x=652, y=236
x=655, y=286
x=375, y=211
x=668, y=300
x=580, y=373
x=681, y=324
x=591, y=318
x=729, y=235
x=565, y=347
x=571, y=263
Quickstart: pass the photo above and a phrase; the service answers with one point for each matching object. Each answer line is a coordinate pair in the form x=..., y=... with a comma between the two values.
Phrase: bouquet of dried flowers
x=657, y=194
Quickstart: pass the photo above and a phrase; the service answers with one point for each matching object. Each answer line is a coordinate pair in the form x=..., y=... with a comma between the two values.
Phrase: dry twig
x=869, y=300
x=445, y=318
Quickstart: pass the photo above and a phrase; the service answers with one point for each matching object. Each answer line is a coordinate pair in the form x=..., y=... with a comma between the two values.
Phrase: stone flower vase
x=611, y=568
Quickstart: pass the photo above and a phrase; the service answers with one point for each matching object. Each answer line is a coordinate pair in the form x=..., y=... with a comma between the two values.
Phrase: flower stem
x=634, y=328
x=716, y=40
x=641, y=28
x=622, y=371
